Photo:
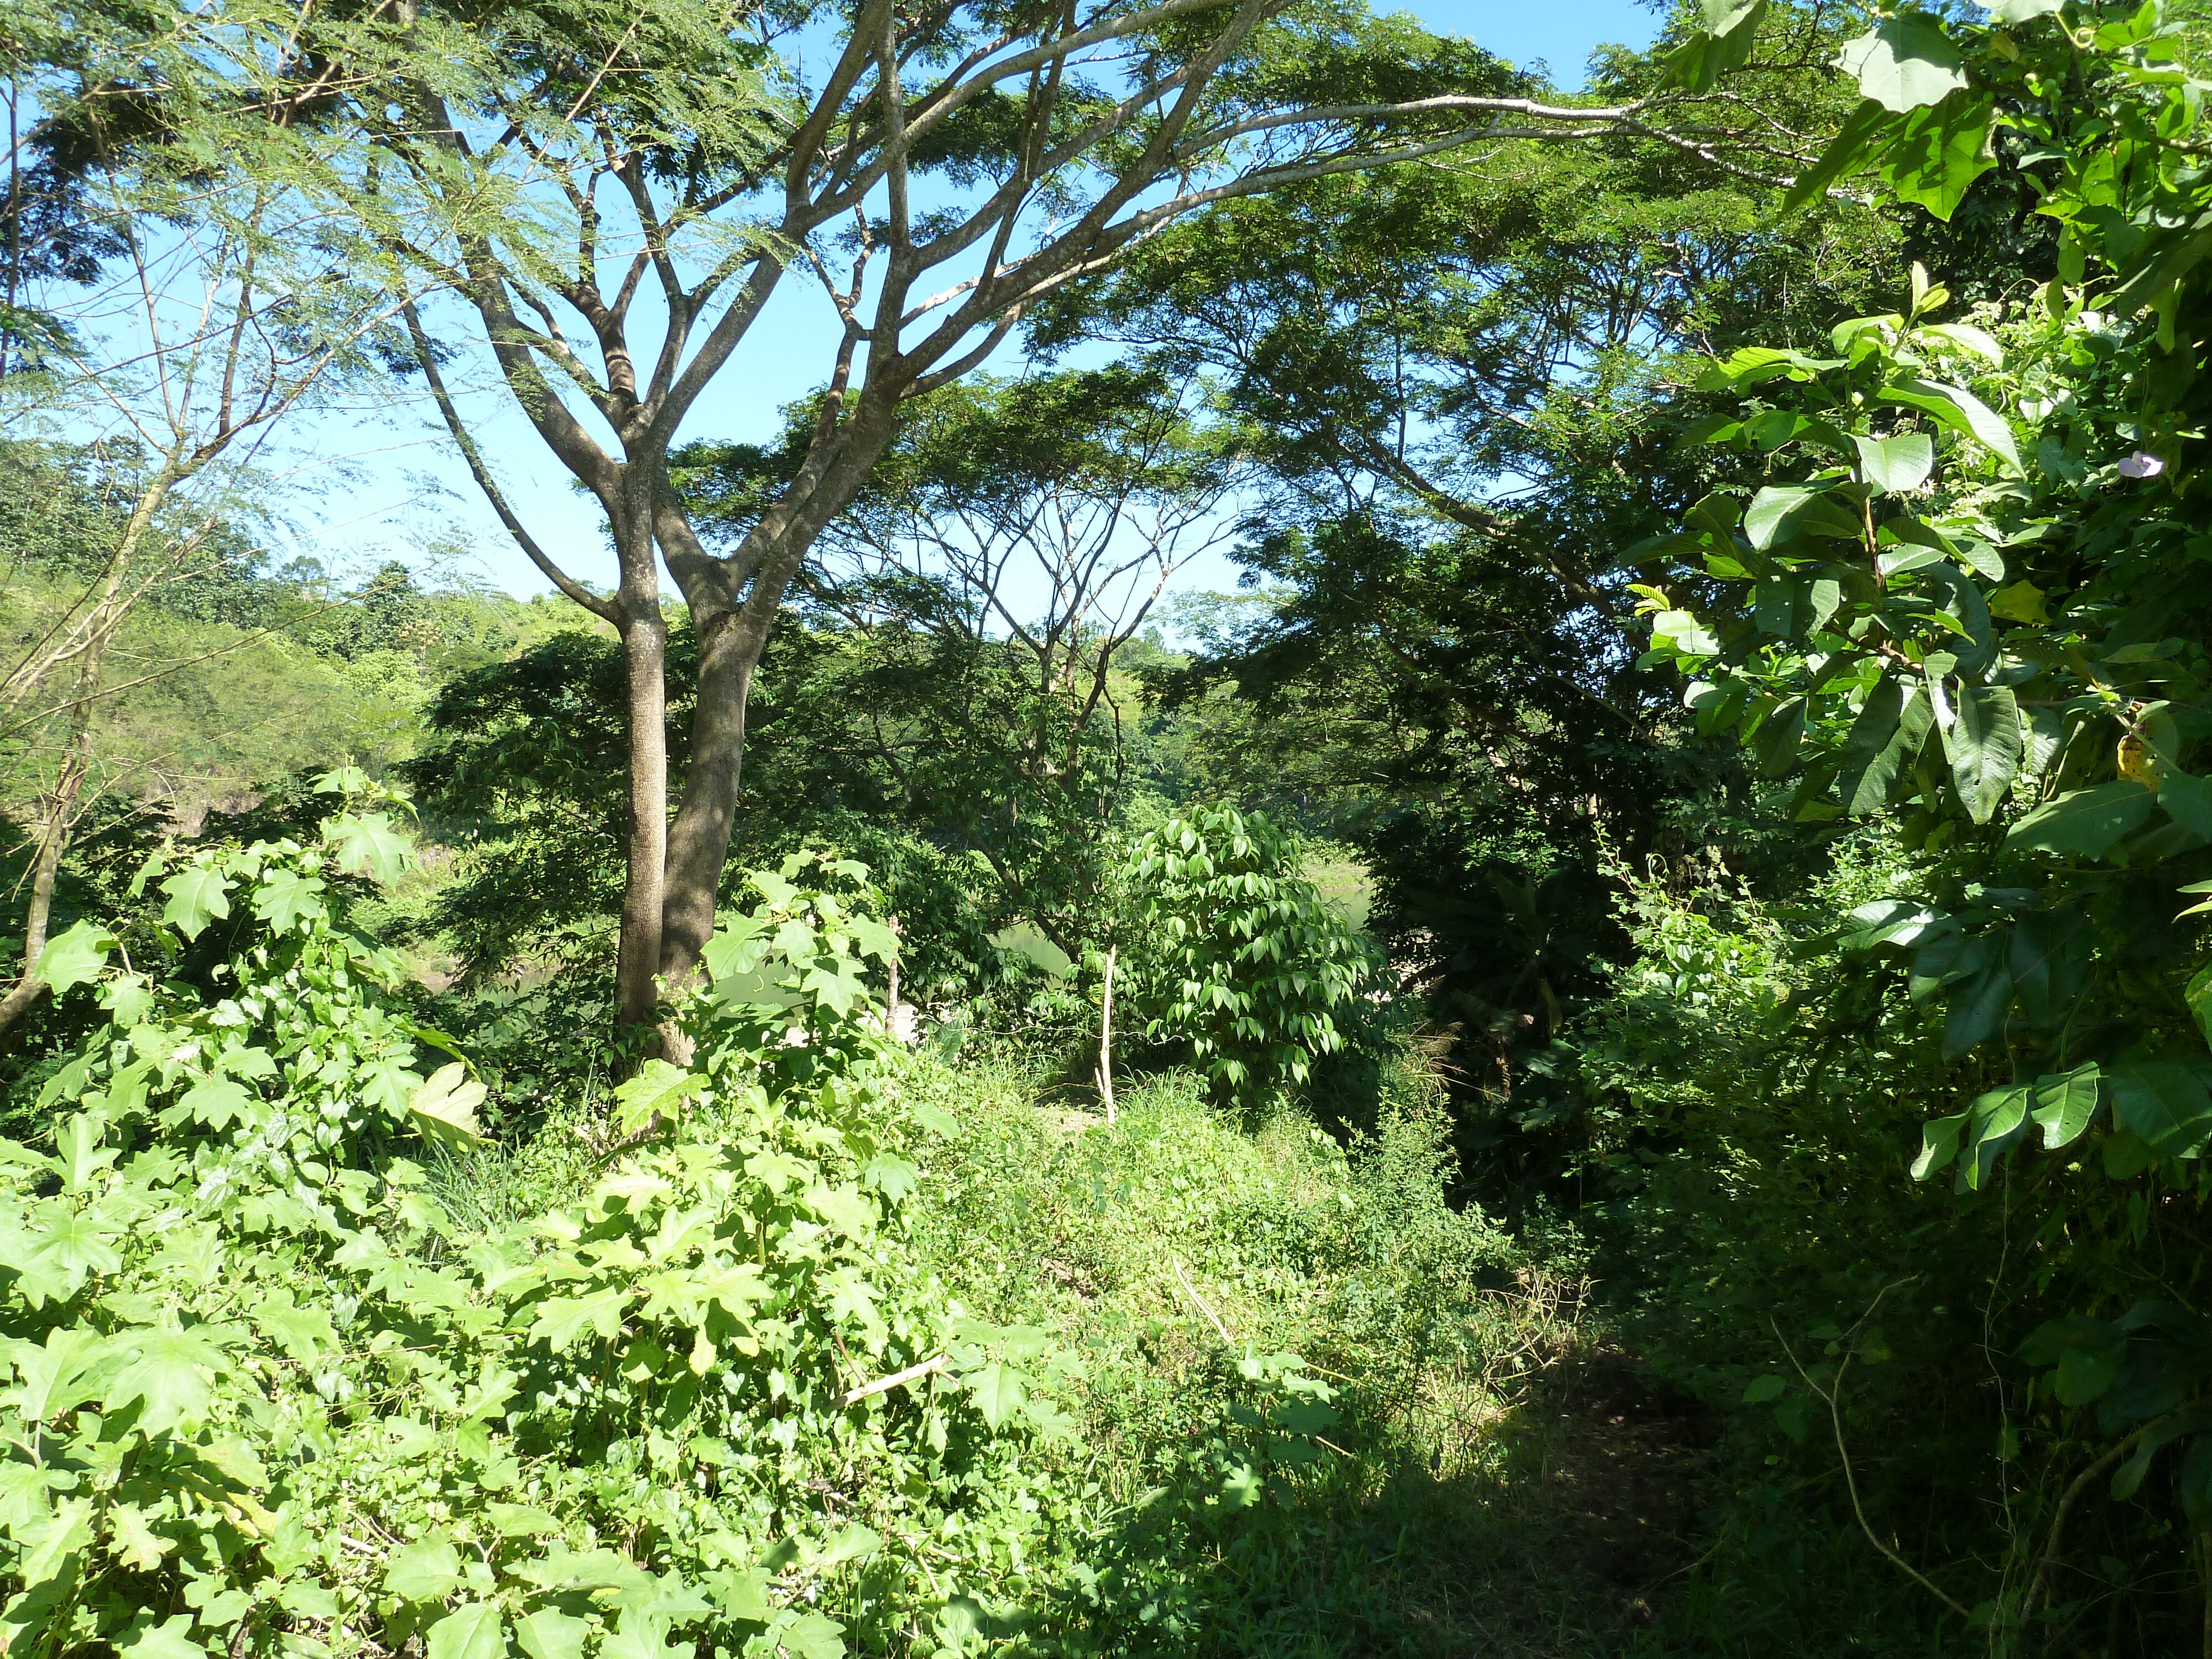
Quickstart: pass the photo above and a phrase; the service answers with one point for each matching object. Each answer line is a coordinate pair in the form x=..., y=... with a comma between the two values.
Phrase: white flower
x=2142, y=465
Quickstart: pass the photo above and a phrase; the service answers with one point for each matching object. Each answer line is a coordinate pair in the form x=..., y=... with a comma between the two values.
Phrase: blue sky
x=404, y=485
x=1561, y=32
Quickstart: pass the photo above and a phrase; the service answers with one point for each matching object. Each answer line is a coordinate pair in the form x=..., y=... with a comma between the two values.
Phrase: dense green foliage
x=1709, y=1154
x=1237, y=956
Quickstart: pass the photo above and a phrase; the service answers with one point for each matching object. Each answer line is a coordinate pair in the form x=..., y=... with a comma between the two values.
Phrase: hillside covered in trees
x=1425, y=869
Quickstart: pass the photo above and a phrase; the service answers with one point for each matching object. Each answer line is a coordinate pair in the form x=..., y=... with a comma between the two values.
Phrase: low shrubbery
x=271, y=1389
x=749, y=1355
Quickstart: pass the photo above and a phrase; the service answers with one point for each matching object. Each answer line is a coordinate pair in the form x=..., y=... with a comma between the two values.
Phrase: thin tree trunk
x=60, y=818
x=645, y=651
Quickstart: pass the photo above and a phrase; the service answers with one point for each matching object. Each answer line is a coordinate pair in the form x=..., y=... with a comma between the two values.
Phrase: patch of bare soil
x=1622, y=1454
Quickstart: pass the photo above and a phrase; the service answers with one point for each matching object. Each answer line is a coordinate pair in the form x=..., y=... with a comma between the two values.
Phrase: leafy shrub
x=1236, y=954
x=269, y=1393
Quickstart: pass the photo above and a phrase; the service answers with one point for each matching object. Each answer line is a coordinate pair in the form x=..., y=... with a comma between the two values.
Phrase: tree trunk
x=645, y=651
x=699, y=842
x=732, y=636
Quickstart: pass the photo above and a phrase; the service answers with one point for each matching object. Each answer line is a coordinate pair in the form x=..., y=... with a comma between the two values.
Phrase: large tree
x=940, y=169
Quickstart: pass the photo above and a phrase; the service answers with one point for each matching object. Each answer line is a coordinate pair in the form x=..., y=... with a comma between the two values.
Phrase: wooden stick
x=884, y=1384
x=1212, y=1317
x=1106, y=1039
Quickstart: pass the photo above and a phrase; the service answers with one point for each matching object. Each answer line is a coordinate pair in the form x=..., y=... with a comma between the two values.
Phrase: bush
x=1237, y=955
x=272, y=1394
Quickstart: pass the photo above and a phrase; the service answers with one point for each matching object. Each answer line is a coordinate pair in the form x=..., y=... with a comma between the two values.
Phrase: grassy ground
x=1495, y=1481
x=1488, y=1475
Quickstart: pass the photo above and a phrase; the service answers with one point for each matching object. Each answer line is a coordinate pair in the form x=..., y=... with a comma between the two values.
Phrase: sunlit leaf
x=445, y=1106
x=476, y=1630
x=73, y=957
x=368, y=844
x=197, y=895
x=1904, y=62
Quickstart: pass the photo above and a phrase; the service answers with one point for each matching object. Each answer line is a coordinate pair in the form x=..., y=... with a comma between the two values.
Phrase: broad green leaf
x=73, y=957
x=854, y=1543
x=1995, y=1121
x=1959, y=410
x=1905, y=922
x=1680, y=631
x=1827, y=599
x=813, y=1636
x=304, y=1334
x=1898, y=465
x=1934, y=157
x=2022, y=602
x=642, y=1635
x=73, y=1244
x=2164, y=1103
x=50, y=1545
x=2200, y=1000
x=2061, y=1104
x=1983, y=743
x=562, y=1321
x=1904, y=62
x=1980, y=342
x=1779, y=737
x=215, y=1100
x=1978, y=1005
x=427, y=1570
x=79, y=1141
x=1782, y=512
x=307, y=1600
x=387, y=1083
x=522, y=1521
x=1724, y=43
x=743, y=1594
x=445, y=1106
x=1862, y=136
x=170, y=1639
x=366, y=844
x=1884, y=741
x=65, y=1373
x=197, y=895
x=474, y=1629
x=2188, y=802
x=659, y=1089
x=342, y=780
x=128, y=998
x=548, y=1634
x=286, y=898
x=998, y=1391
x=2087, y=1353
x=133, y=1542
x=844, y=1208
x=737, y=948
x=2086, y=822
x=173, y=1372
